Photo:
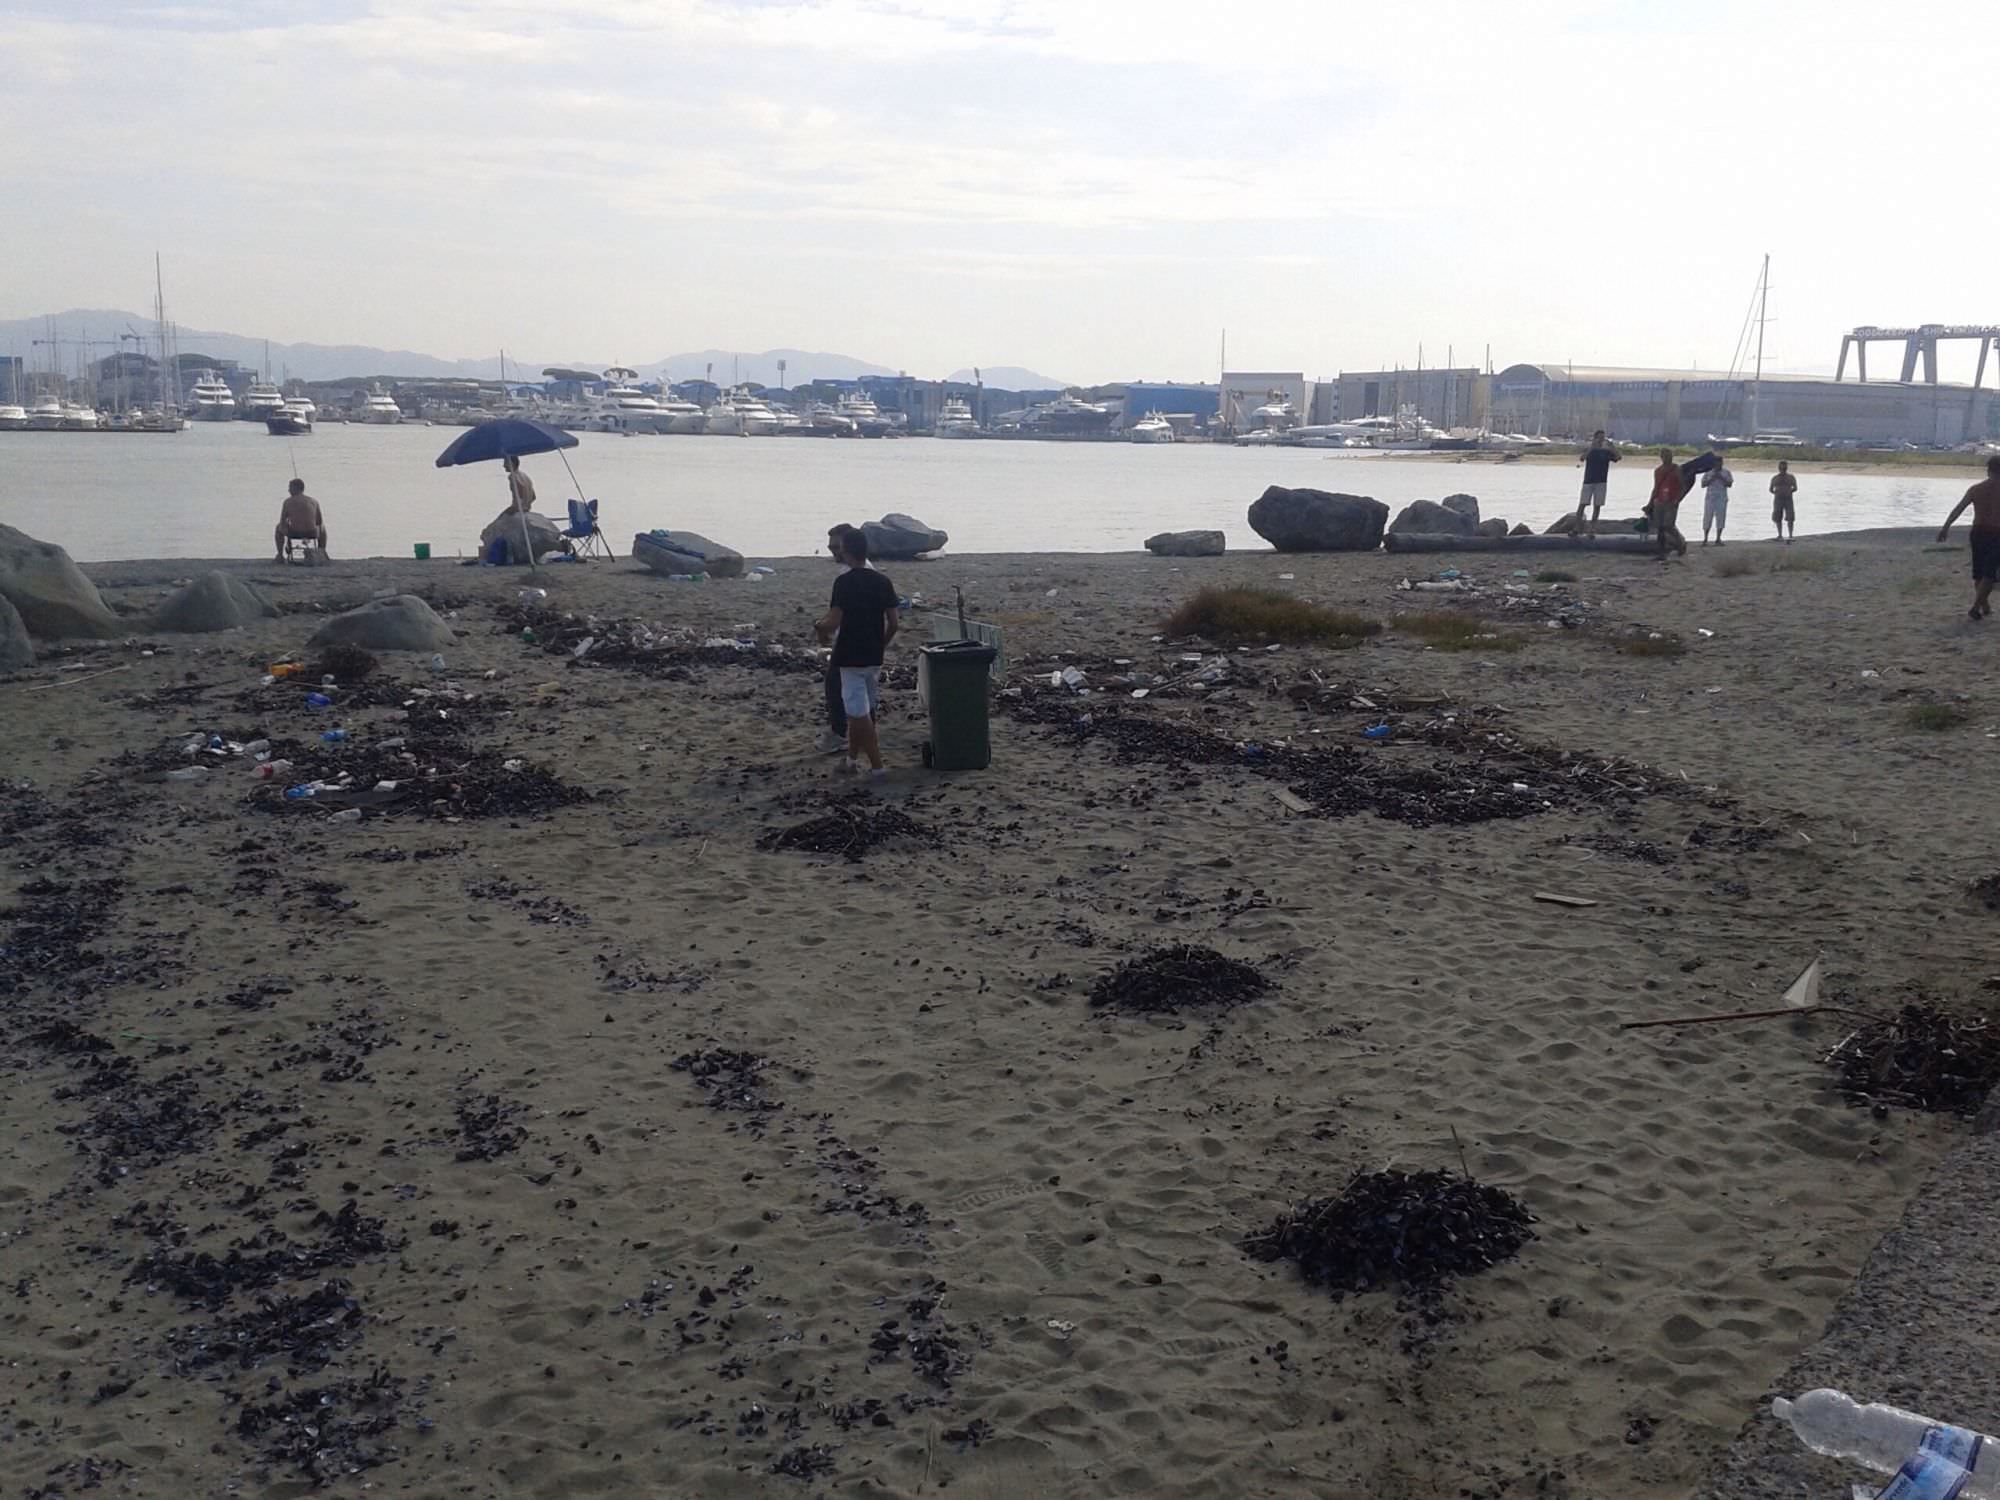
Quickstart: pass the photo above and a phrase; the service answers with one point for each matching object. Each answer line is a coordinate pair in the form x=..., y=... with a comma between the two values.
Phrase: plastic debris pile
x=1171, y=979
x=1924, y=1057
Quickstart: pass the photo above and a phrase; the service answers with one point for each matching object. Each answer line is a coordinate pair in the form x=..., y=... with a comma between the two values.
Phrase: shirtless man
x=520, y=488
x=1784, y=511
x=299, y=520
x=1984, y=498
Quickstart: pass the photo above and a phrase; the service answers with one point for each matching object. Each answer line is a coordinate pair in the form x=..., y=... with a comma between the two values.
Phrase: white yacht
x=1151, y=428
x=1275, y=415
x=78, y=418
x=293, y=418
x=259, y=401
x=381, y=410
x=681, y=415
x=956, y=419
x=13, y=418
x=625, y=408
x=737, y=413
x=211, y=399
x=45, y=415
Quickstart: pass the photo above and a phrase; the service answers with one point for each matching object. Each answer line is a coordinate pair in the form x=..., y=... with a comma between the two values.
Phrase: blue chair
x=583, y=529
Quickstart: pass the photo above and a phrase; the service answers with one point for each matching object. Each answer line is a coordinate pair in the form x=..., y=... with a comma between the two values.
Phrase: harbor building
x=1188, y=407
x=1245, y=393
x=1445, y=398
x=1690, y=406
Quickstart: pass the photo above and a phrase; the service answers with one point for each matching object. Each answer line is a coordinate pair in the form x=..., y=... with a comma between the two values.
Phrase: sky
x=1093, y=188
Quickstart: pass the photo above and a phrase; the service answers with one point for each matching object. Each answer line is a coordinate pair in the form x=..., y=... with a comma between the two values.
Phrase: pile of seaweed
x=432, y=773
x=633, y=646
x=1166, y=980
x=849, y=829
x=1924, y=1057
x=1416, y=1230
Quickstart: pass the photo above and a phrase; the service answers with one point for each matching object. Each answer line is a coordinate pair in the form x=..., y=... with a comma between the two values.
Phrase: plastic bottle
x=256, y=747
x=188, y=773
x=346, y=815
x=318, y=700
x=1884, y=1437
x=334, y=736
x=437, y=662
x=301, y=792
x=270, y=770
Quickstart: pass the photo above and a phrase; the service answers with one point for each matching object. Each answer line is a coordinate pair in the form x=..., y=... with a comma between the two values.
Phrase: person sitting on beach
x=861, y=621
x=1597, y=460
x=299, y=520
x=1715, y=501
x=1666, y=504
x=519, y=486
x=834, y=736
x=1784, y=515
x=1984, y=498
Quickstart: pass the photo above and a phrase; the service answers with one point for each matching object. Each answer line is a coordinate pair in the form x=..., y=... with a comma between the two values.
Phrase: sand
x=955, y=1228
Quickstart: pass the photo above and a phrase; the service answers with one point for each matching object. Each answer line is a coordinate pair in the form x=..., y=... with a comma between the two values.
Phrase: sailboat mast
x=1763, y=296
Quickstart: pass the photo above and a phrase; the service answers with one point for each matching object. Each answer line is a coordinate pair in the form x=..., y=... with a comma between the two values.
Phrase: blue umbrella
x=510, y=437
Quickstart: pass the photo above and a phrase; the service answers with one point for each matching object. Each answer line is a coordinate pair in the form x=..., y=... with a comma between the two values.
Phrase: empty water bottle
x=256, y=747
x=318, y=700
x=301, y=792
x=346, y=815
x=1885, y=1438
x=270, y=770
x=188, y=773
x=334, y=736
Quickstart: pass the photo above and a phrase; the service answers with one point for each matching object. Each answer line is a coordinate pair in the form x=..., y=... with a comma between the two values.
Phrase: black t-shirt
x=1597, y=464
x=864, y=598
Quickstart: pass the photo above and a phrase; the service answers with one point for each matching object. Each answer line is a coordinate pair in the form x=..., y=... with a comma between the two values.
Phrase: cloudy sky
x=1092, y=188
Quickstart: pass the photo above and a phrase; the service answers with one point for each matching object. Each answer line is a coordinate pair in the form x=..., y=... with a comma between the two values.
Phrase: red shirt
x=1667, y=483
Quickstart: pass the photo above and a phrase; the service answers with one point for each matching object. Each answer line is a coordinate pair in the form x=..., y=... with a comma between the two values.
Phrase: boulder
x=16, y=650
x=1318, y=521
x=670, y=552
x=897, y=538
x=50, y=592
x=543, y=534
x=1465, y=505
x=400, y=623
x=1186, y=544
x=1492, y=526
x=1428, y=518
x=1568, y=525
x=1522, y=529
x=214, y=601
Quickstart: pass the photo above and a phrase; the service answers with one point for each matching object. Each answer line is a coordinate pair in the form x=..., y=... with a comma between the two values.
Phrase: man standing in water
x=1668, y=487
x=1984, y=498
x=861, y=621
x=1715, y=501
x=1784, y=515
x=1597, y=460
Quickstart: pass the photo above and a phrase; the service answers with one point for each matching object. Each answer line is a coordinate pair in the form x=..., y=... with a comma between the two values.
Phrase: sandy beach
x=559, y=1135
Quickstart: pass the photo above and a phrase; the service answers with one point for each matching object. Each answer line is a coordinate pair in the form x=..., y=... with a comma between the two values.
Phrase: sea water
x=214, y=490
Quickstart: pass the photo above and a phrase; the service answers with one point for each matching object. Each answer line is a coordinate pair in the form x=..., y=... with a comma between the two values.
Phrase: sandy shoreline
x=1565, y=456
x=582, y=1269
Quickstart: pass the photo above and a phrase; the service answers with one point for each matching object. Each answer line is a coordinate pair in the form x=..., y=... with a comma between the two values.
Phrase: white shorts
x=1714, y=507
x=860, y=691
x=1593, y=494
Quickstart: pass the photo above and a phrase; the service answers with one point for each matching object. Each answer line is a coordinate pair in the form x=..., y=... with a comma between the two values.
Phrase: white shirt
x=1718, y=478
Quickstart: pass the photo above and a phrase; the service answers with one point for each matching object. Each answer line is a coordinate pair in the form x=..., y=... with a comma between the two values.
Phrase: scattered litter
x=1925, y=1057
x=1287, y=577
x=1377, y=732
x=1704, y=632
x=1291, y=799
x=1062, y=1328
x=1556, y=898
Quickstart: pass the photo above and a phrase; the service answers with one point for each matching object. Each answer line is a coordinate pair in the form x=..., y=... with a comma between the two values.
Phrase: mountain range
x=92, y=333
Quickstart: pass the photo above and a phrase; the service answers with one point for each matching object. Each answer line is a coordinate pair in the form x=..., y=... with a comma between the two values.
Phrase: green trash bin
x=956, y=673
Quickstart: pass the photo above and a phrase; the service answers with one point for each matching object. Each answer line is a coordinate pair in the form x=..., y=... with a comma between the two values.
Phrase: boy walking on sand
x=1984, y=498
x=1784, y=515
x=1666, y=504
x=860, y=621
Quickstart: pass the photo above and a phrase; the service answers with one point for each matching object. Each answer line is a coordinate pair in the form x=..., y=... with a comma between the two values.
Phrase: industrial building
x=1445, y=398
x=1690, y=406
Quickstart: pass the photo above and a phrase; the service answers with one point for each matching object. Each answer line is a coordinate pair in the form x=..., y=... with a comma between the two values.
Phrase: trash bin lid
x=966, y=651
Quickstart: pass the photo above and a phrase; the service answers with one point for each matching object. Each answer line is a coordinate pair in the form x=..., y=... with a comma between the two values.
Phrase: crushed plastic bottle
x=346, y=815
x=1890, y=1440
x=1377, y=732
x=318, y=700
x=254, y=747
x=270, y=770
x=334, y=736
x=529, y=596
x=302, y=791
x=188, y=773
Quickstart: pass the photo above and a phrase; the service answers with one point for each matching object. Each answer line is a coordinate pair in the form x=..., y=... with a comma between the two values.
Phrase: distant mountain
x=1010, y=378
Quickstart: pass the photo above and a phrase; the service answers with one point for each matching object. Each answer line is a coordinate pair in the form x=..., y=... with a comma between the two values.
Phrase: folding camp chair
x=583, y=528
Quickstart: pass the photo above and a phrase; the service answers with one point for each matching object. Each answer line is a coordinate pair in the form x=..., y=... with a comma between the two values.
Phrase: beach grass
x=1649, y=645
x=1935, y=716
x=1261, y=617
x=1453, y=632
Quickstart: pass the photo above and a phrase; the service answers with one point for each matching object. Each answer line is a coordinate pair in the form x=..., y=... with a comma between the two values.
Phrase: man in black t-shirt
x=860, y=621
x=1597, y=460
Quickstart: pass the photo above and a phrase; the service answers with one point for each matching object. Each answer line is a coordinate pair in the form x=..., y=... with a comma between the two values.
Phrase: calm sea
x=214, y=490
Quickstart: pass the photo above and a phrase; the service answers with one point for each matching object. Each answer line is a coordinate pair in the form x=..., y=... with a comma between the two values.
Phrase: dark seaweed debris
x=1985, y=892
x=1413, y=1229
x=326, y=1431
x=488, y=1129
x=732, y=1080
x=208, y=1280
x=1924, y=1057
x=849, y=831
x=307, y=1331
x=442, y=777
x=805, y=1462
x=343, y=663
x=1175, y=978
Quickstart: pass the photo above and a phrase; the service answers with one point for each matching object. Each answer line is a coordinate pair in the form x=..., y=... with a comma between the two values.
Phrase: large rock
x=1522, y=529
x=214, y=601
x=16, y=650
x=686, y=552
x=1569, y=525
x=897, y=538
x=50, y=592
x=1465, y=505
x=1186, y=544
x=543, y=534
x=402, y=623
x=1428, y=518
x=1493, y=526
x=1318, y=521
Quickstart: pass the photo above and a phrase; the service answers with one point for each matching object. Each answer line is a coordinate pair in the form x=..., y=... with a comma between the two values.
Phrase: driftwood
x=1425, y=541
